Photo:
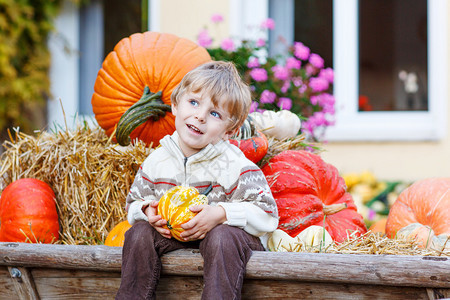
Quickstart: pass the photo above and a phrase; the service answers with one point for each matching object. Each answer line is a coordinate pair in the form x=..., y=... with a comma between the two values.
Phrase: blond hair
x=221, y=81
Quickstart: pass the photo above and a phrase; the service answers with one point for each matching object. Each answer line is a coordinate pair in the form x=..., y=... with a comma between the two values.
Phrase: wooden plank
x=438, y=293
x=23, y=283
x=7, y=289
x=393, y=270
x=63, y=284
x=76, y=284
x=61, y=256
x=390, y=270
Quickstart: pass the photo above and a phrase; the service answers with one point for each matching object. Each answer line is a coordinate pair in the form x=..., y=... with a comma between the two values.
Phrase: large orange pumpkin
x=28, y=212
x=138, y=77
x=116, y=236
x=174, y=207
x=309, y=191
x=426, y=202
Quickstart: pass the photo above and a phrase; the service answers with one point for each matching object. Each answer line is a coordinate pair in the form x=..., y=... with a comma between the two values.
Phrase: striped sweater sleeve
x=252, y=206
x=141, y=194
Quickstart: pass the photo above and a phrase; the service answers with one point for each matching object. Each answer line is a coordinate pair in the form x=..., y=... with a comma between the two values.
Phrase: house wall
x=190, y=17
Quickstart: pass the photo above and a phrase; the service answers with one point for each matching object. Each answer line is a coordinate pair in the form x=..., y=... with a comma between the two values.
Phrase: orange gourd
x=253, y=143
x=133, y=88
x=426, y=202
x=174, y=207
x=116, y=236
x=28, y=212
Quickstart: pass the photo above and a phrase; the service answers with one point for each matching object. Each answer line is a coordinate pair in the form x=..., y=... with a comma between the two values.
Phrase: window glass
x=313, y=26
x=121, y=19
x=393, y=55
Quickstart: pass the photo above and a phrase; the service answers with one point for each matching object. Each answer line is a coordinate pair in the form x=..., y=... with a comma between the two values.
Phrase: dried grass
x=374, y=243
x=89, y=174
x=277, y=146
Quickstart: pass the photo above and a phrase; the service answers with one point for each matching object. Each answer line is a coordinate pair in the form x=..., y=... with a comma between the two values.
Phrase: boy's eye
x=215, y=114
x=193, y=102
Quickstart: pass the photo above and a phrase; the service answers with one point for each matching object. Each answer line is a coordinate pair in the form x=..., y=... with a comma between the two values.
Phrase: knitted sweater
x=238, y=185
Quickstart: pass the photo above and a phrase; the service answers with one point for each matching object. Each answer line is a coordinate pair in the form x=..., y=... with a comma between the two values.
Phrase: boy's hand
x=207, y=218
x=156, y=220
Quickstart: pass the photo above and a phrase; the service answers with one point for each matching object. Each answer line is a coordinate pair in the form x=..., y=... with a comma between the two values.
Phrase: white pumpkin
x=280, y=241
x=281, y=125
x=315, y=237
x=312, y=237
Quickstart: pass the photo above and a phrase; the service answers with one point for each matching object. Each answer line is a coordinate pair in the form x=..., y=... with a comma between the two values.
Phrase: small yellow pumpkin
x=174, y=207
x=116, y=237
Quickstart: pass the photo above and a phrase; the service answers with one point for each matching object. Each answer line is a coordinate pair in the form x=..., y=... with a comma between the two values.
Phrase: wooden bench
x=40, y=271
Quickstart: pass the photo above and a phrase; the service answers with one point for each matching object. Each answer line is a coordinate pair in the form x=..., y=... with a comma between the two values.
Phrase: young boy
x=209, y=105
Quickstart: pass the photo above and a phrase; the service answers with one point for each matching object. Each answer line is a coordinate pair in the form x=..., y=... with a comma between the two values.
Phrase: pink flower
x=301, y=51
x=253, y=62
x=316, y=60
x=268, y=97
x=327, y=102
x=204, y=39
x=260, y=43
x=216, y=18
x=316, y=120
x=227, y=45
x=280, y=72
x=286, y=86
x=285, y=103
x=328, y=74
x=328, y=99
x=314, y=100
x=310, y=70
x=293, y=63
x=297, y=81
x=268, y=24
x=302, y=89
x=259, y=74
x=318, y=84
x=253, y=106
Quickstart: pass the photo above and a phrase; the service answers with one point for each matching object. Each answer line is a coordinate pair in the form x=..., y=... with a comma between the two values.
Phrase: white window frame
x=352, y=125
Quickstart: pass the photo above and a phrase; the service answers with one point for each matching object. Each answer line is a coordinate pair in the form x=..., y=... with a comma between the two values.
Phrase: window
x=393, y=55
x=102, y=25
x=389, y=58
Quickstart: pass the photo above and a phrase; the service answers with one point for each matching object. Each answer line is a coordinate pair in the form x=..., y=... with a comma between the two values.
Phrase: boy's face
x=199, y=123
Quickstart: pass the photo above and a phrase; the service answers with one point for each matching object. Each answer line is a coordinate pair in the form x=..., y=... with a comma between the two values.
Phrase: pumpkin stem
x=149, y=106
x=333, y=208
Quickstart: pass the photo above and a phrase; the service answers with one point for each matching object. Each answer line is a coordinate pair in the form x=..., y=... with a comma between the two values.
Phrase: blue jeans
x=225, y=250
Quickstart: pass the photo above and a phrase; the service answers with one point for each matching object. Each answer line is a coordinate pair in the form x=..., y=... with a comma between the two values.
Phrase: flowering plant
x=297, y=81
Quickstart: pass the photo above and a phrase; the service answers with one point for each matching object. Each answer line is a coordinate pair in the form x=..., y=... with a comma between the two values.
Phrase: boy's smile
x=199, y=123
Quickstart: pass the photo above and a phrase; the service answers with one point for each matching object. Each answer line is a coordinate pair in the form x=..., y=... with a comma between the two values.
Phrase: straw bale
x=89, y=174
